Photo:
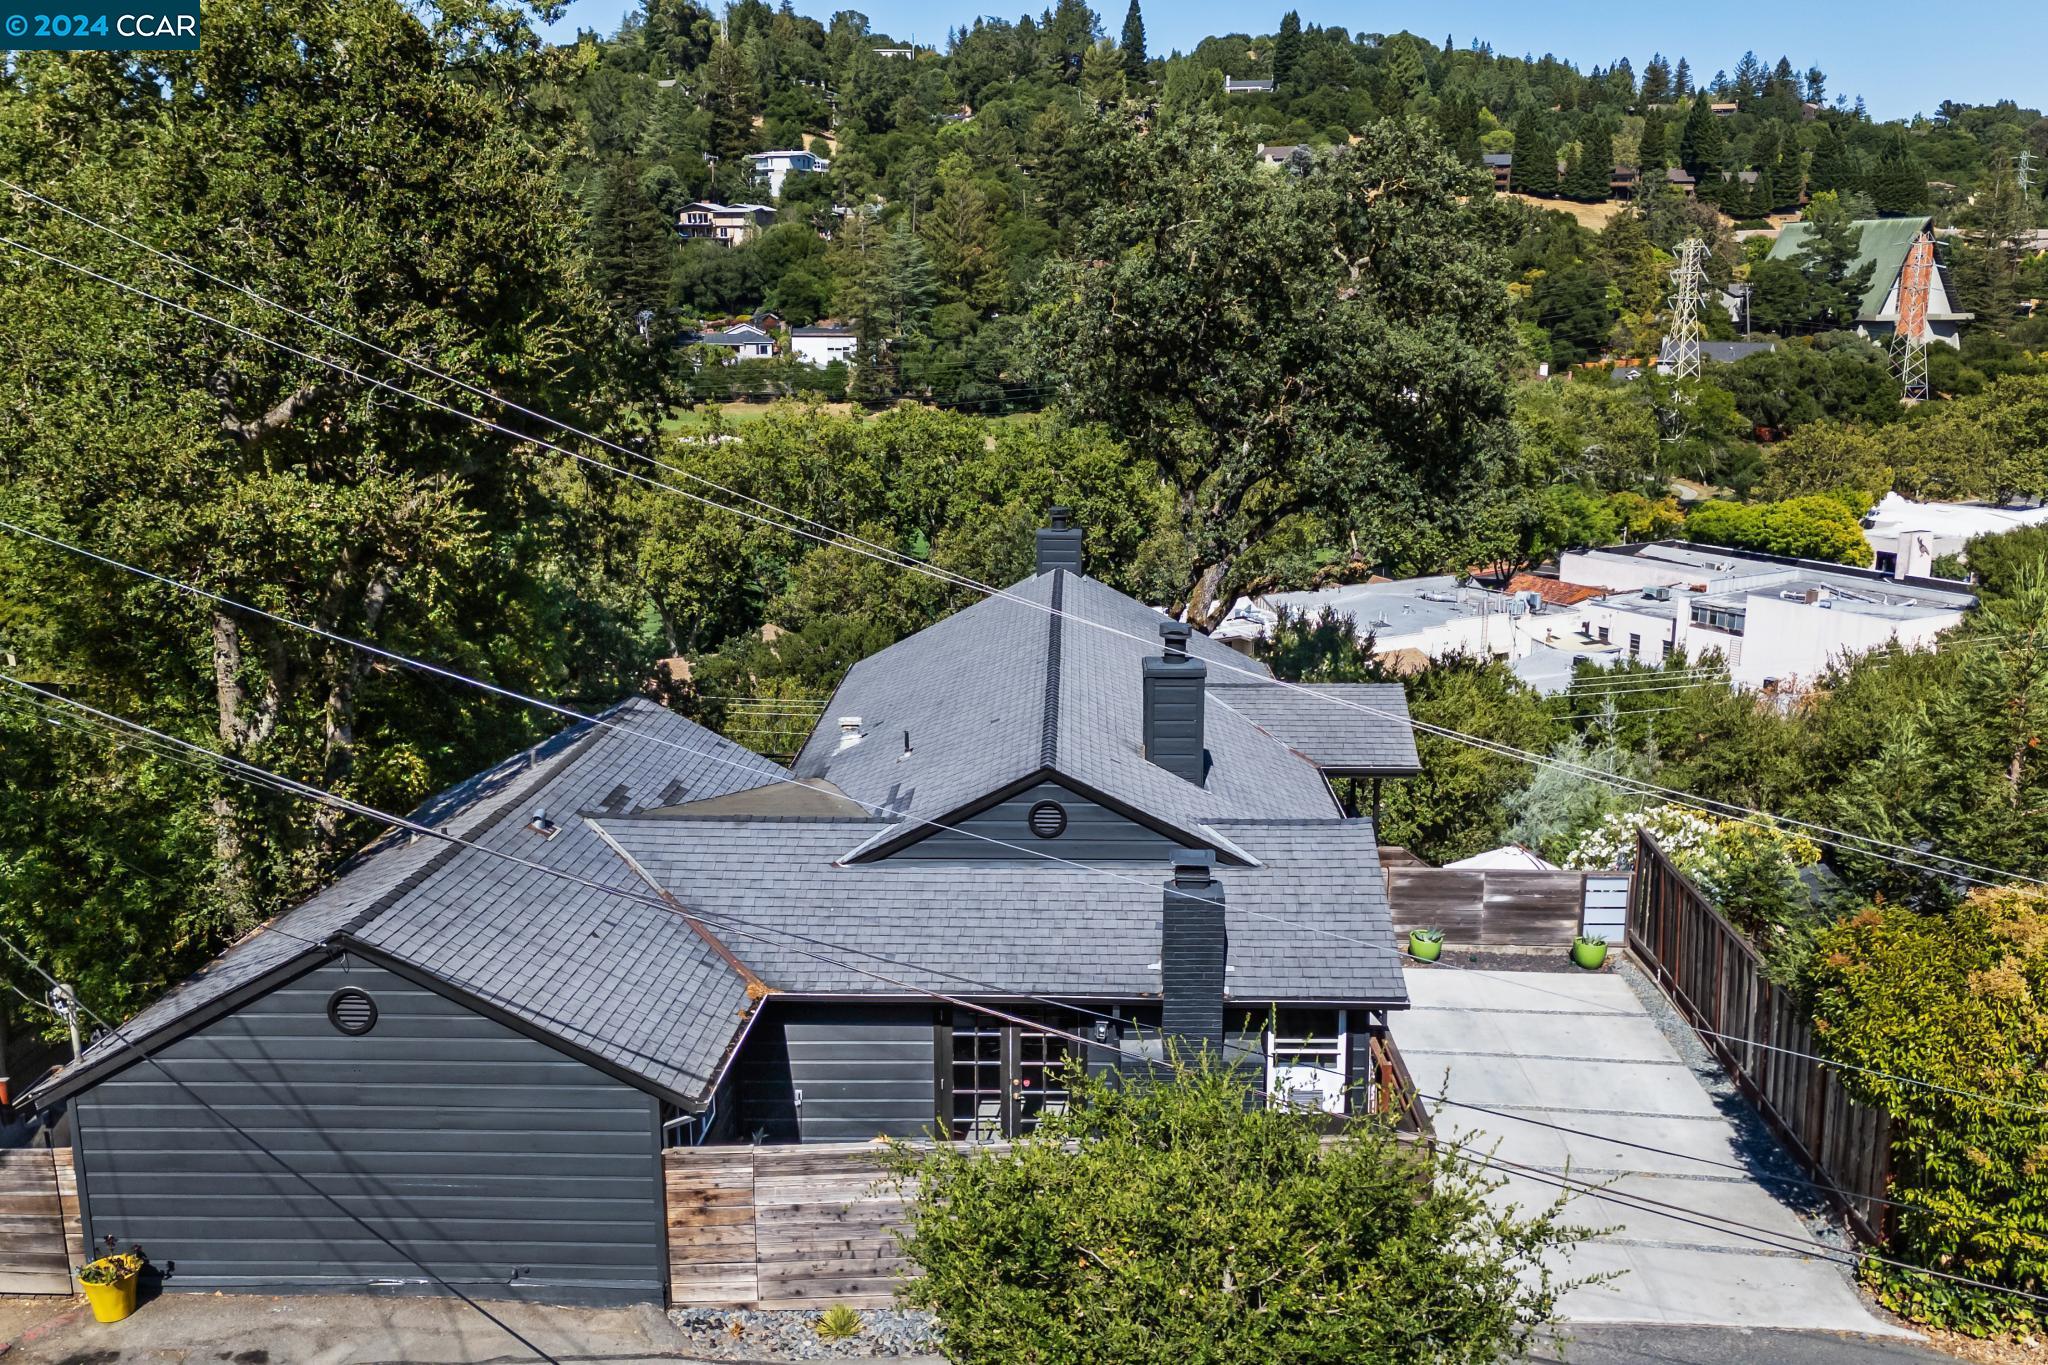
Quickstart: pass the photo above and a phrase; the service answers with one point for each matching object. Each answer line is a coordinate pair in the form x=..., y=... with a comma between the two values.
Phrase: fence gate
x=33, y=1255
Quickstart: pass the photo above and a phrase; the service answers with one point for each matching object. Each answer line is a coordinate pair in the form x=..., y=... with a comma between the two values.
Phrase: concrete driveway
x=1580, y=1050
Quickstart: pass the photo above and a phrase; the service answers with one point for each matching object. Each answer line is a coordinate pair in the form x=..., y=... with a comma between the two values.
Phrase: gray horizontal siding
x=1093, y=833
x=864, y=1071
x=505, y=1166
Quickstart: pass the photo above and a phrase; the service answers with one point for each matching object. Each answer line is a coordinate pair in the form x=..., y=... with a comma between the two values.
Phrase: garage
x=349, y=1128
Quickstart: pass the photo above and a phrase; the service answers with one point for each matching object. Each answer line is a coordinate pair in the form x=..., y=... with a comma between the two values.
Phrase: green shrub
x=1959, y=1000
x=1176, y=1219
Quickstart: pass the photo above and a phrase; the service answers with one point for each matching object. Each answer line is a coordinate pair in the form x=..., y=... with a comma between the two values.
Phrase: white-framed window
x=1308, y=1054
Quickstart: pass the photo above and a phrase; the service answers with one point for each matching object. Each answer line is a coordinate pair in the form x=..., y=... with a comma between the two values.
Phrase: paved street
x=1579, y=1050
x=1630, y=1345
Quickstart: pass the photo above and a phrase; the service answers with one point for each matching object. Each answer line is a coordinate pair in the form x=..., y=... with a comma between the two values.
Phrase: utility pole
x=64, y=1004
x=1686, y=278
x=1909, y=341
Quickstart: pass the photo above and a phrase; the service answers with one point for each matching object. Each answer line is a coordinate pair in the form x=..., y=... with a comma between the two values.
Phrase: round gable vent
x=1048, y=819
x=352, y=1011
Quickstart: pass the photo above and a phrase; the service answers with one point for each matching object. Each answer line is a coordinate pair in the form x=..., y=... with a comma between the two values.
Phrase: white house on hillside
x=729, y=224
x=744, y=342
x=821, y=346
x=772, y=168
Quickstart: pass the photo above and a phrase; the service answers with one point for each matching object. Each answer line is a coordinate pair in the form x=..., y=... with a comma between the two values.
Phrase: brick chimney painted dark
x=1059, y=545
x=1176, y=685
x=1193, y=948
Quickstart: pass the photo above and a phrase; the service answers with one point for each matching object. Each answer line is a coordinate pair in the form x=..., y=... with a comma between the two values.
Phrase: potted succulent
x=110, y=1282
x=1426, y=945
x=1589, y=951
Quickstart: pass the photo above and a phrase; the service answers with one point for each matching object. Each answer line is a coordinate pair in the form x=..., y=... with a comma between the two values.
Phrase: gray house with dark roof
x=1054, y=815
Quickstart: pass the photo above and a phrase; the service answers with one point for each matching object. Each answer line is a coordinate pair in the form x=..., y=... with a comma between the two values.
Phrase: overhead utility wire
x=1848, y=842
x=1678, y=1211
x=569, y=713
x=307, y=791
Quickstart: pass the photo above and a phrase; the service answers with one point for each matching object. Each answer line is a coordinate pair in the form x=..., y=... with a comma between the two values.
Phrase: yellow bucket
x=113, y=1302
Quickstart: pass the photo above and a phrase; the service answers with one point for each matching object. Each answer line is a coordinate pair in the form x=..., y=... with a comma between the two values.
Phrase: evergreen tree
x=1833, y=170
x=1816, y=85
x=1588, y=177
x=729, y=98
x=1535, y=165
x=1653, y=152
x=1788, y=174
x=1987, y=268
x=1897, y=184
x=632, y=246
x=1681, y=83
x=1748, y=82
x=1702, y=148
x=1827, y=258
x=1287, y=49
x=1656, y=81
x=1133, y=43
x=1457, y=123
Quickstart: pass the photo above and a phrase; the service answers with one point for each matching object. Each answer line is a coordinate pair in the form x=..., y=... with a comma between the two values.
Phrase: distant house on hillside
x=821, y=346
x=772, y=168
x=903, y=54
x=746, y=342
x=1502, y=166
x=727, y=224
x=1883, y=245
x=1234, y=86
x=1279, y=153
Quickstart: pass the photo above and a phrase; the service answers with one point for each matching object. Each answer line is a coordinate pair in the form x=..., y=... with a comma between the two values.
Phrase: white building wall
x=821, y=351
x=1623, y=572
x=1796, y=641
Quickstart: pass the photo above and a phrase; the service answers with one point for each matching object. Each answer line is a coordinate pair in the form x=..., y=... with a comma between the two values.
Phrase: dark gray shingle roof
x=1022, y=926
x=1348, y=729
x=623, y=980
x=1008, y=688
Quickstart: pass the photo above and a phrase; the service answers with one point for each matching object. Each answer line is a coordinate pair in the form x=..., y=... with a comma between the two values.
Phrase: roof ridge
x=1049, y=735
x=381, y=906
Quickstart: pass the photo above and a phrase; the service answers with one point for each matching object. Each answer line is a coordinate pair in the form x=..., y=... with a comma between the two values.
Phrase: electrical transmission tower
x=1687, y=277
x=1909, y=342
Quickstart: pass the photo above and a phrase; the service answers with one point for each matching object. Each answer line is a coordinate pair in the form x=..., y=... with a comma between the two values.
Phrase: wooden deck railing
x=1760, y=1034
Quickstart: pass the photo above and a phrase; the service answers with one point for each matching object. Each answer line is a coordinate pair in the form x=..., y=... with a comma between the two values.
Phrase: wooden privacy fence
x=1760, y=1034
x=1499, y=907
x=782, y=1226
x=39, y=1237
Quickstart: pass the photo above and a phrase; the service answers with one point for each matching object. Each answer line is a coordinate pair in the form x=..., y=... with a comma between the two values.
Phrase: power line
x=1823, y=834
x=1681, y=1213
x=246, y=771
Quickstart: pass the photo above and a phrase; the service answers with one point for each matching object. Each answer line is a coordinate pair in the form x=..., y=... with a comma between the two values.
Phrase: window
x=1603, y=635
x=1887, y=561
x=1001, y=1077
x=1635, y=646
x=1730, y=619
x=1306, y=1056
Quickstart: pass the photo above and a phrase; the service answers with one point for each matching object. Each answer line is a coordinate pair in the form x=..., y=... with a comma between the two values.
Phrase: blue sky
x=1903, y=58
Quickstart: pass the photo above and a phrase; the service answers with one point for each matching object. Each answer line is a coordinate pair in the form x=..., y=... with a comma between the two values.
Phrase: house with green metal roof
x=1883, y=245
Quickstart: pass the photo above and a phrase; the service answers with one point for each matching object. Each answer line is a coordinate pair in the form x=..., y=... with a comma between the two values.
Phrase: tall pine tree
x=1535, y=165
x=1897, y=185
x=1587, y=178
x=1287, y=49
x=1133, y=43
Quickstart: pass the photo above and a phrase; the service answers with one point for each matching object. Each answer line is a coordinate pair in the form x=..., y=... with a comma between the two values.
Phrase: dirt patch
x=2027, y=1351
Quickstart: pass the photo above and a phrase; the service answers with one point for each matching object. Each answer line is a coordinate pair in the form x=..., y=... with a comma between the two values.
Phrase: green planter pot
x=1425, y=945
x=1589, y=954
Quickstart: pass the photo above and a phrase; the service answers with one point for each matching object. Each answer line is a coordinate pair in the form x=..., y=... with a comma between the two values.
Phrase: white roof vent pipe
x=850, y=732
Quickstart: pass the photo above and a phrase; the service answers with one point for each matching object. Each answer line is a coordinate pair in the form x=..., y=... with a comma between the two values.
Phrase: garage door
x=353, y=1130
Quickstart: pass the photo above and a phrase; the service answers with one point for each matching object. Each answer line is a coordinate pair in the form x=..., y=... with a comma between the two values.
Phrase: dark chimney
x=1193, y=948
x=1059, y=546
x=1175, y=685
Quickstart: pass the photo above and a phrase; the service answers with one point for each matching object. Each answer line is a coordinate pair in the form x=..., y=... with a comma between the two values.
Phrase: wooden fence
x=1495, y=906
x=782, y=1226
x=39, y=1241
x=1760, y=1034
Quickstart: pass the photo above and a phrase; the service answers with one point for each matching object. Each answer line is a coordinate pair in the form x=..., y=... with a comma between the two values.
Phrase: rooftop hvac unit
x=1657, y=594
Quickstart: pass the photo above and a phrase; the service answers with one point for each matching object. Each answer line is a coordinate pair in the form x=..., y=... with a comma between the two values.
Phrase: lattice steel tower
x=1909, y=342
x=1687, y=278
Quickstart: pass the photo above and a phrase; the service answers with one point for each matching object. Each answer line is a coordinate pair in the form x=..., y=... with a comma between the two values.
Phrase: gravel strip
x=760, y=1335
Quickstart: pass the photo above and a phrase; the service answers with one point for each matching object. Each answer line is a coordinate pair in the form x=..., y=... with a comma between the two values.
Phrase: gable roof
x=1882, y=243
x=1045, y=678
x=746, y=334
x=1029, y=927
x=628, y=984
x=1345, y=729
